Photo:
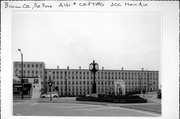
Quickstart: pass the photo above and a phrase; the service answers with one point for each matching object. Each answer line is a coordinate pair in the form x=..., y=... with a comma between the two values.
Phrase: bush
x=114, y=99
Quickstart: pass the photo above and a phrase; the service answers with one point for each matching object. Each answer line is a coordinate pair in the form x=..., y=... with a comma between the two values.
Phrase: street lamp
x=94, y=67
x=50, y=83
x=21, y=73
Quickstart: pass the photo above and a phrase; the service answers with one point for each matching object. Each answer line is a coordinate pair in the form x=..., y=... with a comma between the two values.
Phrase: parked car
x=47, y=95
x=159, y=94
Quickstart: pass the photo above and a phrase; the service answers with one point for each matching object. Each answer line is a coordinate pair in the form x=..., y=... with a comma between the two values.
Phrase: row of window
x=102, y=73
x=100, y=83
x=102, y=77
x=29, y=65
x=28, y=71
x=100, y=89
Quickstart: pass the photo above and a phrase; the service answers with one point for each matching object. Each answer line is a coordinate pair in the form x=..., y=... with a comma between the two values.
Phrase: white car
x=47, y=95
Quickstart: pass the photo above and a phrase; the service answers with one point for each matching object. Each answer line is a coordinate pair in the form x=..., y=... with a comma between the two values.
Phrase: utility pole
x=22, y=81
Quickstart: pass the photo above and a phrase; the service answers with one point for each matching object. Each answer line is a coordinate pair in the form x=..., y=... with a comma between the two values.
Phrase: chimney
x=67, y=67
x=79, y=67
x=122, y=68
x=142, y=69
x=102, y=68
x=57, y=67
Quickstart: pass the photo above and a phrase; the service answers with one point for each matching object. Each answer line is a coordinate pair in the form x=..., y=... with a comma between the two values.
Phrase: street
x=36, y=108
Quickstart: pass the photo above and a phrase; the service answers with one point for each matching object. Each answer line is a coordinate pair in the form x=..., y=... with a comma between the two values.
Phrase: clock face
x=96, y=66
x=91, y=66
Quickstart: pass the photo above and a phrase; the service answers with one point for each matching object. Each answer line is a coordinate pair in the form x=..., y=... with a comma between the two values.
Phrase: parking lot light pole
x=50, y=85
x=21, y=73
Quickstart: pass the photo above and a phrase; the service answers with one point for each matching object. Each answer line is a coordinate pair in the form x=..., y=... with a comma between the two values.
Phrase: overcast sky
x=113, y=39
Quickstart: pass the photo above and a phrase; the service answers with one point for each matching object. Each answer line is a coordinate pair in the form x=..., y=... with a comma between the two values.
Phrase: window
x=32, y=65
x=15, y=65
x=40, y=65
x=25, y=80
x=35, y=81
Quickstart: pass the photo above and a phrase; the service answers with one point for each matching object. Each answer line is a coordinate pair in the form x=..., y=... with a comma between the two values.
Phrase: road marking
x=100, y=108
x=135, y=104
x=33, y=104
x=78, y=106
x=118, y=108
x=140, y=111
x=17, y=103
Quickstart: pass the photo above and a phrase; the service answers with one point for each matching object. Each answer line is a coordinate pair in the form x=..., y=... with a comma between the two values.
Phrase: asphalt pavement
x=33, y=108
x=68, y=106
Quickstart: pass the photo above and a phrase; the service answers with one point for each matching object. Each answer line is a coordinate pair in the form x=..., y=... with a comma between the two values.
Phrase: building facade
x=31, y=86
x=30, y=70
x=73, y=82
x=79, y=81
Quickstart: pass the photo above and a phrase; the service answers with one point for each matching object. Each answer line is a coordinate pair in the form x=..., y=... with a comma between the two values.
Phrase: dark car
x=159, y=94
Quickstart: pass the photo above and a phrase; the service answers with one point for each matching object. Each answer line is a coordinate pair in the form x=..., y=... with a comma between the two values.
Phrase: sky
x=113, y=39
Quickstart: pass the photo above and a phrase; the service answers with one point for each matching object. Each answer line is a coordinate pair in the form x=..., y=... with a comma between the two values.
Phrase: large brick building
x=72, y=82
